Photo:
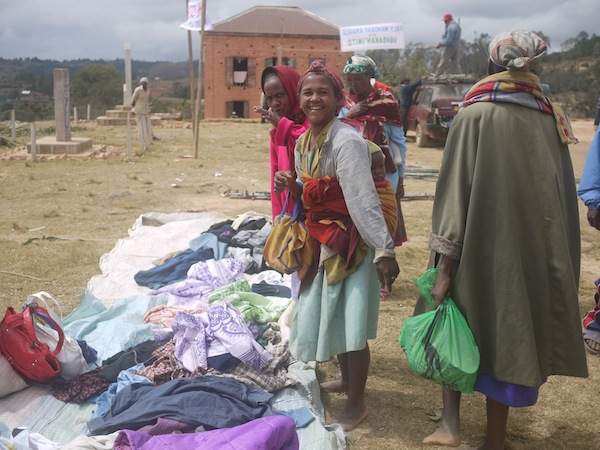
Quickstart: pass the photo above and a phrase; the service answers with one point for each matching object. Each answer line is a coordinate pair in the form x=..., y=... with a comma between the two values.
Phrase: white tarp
x=152, y=236
x=372, y=37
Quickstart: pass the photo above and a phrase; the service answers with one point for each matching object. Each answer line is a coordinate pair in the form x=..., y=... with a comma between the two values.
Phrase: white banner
x=372, y=37
x=193, y=22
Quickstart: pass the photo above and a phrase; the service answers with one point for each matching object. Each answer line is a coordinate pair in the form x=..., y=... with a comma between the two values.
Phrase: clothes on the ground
x=213, y=402
x=222, y=292
x=123, y=321
x=164, y=366
x=202, y=279
x=506, y=209
x=267, y=433
x=223, y=363
x=451, y=37
x=257, y=308
x=89, y=353
x=272, y=290
x=273, y=377
x=164, y=315
x=251, y=259
x=175, y=269
x=339, y=318
x=509, y=394
x=125, y=378
x=589, y=185
x=82, y=388
x=251, y=238
x=221, y=330
x=91, y=442
x=302, y=417
x=209, y=240
x=139, y=354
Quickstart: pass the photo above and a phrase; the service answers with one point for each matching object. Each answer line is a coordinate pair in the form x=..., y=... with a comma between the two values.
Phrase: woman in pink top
x=280, y=87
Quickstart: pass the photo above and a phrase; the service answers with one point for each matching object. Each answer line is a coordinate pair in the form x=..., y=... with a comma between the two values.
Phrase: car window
x=457, y=91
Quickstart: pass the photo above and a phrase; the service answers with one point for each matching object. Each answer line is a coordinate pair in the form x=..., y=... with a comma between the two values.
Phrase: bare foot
x=337, y=386
x=349, y=420
x=443, y=436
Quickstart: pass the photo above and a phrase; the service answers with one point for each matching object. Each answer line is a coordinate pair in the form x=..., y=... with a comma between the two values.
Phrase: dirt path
x=90, y=204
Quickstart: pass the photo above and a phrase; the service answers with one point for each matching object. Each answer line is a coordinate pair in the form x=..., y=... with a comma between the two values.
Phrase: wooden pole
x=200, y=76
x=191, y=79
x=89, y=112
x=13, y=125
x=33, y=142
x=75, y=116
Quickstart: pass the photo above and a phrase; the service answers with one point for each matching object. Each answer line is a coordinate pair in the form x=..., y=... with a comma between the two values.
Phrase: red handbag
x=21, y=347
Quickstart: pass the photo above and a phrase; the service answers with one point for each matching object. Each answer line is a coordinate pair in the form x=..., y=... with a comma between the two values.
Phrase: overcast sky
x=67, y=29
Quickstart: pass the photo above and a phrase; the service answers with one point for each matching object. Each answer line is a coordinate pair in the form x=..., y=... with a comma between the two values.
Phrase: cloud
x=66, y=29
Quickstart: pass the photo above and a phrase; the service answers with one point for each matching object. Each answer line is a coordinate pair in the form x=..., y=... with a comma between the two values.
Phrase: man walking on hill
x=450, y=60
x=140, y=102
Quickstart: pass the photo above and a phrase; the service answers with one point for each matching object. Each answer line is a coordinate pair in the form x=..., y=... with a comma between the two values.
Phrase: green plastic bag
x=439, y=344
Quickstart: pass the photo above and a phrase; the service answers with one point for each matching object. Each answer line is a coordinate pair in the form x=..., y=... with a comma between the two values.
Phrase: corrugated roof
x=277, y=20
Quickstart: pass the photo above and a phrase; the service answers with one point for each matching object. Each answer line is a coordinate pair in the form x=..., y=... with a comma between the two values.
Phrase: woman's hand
x=387, y=272
x=268, y=114
x=441, y=288
x=444, y=279
x=282, y=180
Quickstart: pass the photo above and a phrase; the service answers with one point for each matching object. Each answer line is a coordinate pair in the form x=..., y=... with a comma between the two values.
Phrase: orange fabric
x=389, y=206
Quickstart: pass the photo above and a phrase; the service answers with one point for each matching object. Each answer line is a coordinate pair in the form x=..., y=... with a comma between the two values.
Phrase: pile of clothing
x=198, y=361
x=591, y=324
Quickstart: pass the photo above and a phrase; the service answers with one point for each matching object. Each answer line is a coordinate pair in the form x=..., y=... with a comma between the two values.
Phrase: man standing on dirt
x=140, y=102
x=450, y=59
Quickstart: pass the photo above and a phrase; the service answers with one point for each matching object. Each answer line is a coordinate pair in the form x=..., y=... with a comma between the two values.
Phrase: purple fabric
x=202, y=279
x=222, y=330
x=266, y=433
x=509, y=394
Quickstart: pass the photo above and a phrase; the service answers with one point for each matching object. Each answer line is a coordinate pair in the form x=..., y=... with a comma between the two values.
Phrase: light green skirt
x=336, y=319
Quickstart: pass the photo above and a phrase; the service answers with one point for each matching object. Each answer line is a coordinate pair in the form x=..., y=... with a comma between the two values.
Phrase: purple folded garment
x=265, y=433
x=509, y=394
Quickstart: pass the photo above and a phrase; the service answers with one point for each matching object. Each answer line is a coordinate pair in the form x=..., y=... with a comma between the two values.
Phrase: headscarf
x=289, y=79
x=516, y=50
x=361, y=65
x=317, y=67
x=143, y=80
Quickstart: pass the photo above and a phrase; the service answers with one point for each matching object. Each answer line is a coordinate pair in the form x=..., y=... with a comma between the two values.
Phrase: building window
x=240, y=71
x=284, y=60
x=237, y=109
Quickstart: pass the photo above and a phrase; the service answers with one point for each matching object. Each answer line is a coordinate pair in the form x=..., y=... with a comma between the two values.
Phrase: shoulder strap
x=44, y=315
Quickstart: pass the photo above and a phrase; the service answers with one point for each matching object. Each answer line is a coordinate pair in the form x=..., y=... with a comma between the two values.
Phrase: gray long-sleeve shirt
x=345, y=155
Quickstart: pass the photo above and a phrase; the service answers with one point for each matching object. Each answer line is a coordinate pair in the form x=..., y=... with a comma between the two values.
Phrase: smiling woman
x=337, y=310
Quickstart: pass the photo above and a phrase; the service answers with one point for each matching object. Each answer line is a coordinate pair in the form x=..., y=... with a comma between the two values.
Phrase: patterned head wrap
x=362, y=65
x=516, y=50
x=317, y=67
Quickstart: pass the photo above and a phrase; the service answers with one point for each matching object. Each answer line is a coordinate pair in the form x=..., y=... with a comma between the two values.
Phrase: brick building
x=239, y=48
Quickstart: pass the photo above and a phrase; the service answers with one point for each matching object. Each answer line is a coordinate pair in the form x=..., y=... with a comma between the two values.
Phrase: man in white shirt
x=140, y=102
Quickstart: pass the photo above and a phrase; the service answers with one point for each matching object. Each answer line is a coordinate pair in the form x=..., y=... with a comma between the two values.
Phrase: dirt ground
x=58, y=217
